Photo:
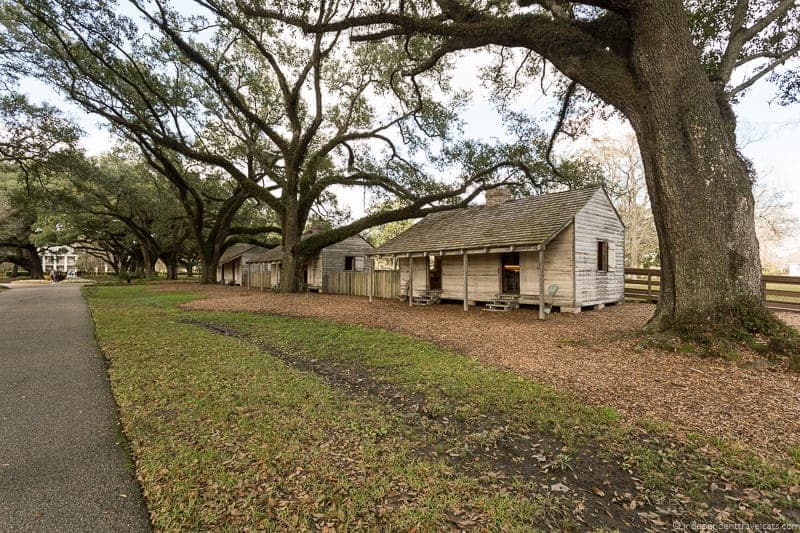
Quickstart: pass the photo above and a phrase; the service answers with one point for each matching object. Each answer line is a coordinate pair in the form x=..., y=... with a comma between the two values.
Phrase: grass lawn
x=240, y=420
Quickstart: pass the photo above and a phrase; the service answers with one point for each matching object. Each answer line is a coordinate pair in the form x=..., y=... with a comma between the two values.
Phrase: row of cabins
x=562, y=249
x=241, y=260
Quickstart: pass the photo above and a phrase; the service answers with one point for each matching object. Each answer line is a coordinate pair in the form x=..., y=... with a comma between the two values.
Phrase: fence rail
x=386, y=283
x=781, y=293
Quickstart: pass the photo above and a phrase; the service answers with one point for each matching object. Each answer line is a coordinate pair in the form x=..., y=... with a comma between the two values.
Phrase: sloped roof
x=237, y=250
x=528, y=221
x=276, y=254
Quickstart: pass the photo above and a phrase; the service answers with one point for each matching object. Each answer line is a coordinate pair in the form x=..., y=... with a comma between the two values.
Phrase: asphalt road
x=60, y=466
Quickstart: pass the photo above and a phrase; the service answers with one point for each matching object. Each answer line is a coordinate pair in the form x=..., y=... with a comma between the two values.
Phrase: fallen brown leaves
x=590, y=354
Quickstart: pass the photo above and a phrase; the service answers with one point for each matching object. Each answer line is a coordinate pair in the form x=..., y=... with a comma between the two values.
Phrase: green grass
x=299, y=424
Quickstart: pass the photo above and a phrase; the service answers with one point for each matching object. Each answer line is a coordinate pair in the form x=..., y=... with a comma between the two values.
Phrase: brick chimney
x=318, y=226
x=498, y=196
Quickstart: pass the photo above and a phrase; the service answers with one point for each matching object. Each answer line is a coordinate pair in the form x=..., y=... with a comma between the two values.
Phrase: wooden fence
x=386, y=283
x=255, y=278
x=781, y=293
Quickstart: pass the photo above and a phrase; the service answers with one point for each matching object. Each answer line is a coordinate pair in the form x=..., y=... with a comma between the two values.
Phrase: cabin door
x=435, y=272
x=509, y=271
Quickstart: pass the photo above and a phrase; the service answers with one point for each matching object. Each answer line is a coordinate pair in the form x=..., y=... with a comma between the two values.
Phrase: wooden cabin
x=477, y=254
x=347, y=255
x=232, y=264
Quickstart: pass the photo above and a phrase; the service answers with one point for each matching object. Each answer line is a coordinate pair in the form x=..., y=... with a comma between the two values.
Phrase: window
x=602, y=256
x=349, y=263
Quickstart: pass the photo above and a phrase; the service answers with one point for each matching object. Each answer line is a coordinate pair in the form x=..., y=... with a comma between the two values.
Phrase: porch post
x=541, y=283
x=466, y=283
x=370, y=276
x=427, y=271
x=410, y=280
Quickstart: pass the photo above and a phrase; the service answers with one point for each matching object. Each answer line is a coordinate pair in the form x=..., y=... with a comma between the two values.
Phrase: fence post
x=649, y=286
x=370, y=277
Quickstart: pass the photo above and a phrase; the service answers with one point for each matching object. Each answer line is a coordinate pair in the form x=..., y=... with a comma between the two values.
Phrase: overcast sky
x=769, y=134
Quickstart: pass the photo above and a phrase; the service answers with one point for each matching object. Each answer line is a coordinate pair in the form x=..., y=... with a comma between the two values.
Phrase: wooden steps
x=427, y=298
x=502, y=303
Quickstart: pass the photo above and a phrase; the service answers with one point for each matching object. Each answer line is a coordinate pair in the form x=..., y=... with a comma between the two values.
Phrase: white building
x=794, y=269
x=60, y=258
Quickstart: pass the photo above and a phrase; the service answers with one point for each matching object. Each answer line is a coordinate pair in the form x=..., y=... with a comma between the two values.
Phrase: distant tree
x=36, y=143
x=621, y=166
x=288, y=117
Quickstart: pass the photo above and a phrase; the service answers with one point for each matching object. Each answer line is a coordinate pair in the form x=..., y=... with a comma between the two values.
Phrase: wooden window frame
x=602, y=256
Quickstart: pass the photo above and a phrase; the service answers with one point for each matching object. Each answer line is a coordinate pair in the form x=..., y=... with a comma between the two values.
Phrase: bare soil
x=594, y=354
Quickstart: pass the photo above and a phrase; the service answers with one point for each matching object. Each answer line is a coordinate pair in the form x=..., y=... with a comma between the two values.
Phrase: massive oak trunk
x=35, y=262
x=210, y=254
x=700, y=189
x=292, y=262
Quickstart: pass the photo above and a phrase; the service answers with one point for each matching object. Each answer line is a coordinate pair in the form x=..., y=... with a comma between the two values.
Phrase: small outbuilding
x=231, y=269
x=571, y=244
x=349, y=255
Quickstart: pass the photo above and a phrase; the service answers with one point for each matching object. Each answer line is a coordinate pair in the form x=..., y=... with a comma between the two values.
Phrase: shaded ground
x=589, y=353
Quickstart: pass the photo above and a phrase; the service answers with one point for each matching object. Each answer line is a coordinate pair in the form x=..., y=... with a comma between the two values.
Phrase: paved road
x=60, y=466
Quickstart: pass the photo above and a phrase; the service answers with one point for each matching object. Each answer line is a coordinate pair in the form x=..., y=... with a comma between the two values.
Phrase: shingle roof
x=275, y=254
x=529, y=221
x=235, y=251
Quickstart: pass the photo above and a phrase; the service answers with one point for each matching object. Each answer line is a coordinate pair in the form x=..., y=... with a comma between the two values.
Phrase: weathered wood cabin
x=231, y=269
x=347, y=255
x=477, y=254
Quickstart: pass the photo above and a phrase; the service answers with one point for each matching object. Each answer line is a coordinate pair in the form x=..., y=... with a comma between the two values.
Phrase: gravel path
x=60, y=466
x=588, y=353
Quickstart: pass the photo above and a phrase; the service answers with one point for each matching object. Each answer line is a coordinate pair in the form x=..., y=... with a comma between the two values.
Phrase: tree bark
x=699, y=186
x=210, y=254
x=148, y=263
x=292, y=261
x=35, y=262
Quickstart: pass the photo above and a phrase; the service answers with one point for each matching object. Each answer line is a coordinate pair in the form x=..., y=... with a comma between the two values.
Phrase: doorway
x=509, y=272
x=435, y=272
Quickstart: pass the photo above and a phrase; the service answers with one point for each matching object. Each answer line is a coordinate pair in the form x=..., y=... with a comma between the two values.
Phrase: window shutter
x=359, y=264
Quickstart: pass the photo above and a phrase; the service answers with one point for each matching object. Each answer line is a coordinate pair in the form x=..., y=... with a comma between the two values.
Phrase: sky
x=768, y=134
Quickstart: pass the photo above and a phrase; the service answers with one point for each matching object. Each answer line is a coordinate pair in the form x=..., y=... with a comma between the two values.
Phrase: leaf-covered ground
x=596, y=355
x=244, y=421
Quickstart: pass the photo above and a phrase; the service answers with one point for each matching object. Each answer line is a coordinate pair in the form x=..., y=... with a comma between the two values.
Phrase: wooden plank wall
x=559, y=267
x=420, y=273
x=386, y=283
x=255, y=276
x=484, y=273
x=333, y=255
x=598, y=221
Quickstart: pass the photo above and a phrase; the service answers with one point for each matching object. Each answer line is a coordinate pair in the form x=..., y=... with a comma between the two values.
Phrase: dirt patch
x=592, y=354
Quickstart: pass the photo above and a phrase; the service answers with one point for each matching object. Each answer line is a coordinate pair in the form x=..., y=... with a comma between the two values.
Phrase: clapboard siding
x=333, y=256
x=420, y=281
x=484, y=280
x=484, y=273
x=598, y=221
x=558, y=269
x=234, y=269
x=314, y=269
